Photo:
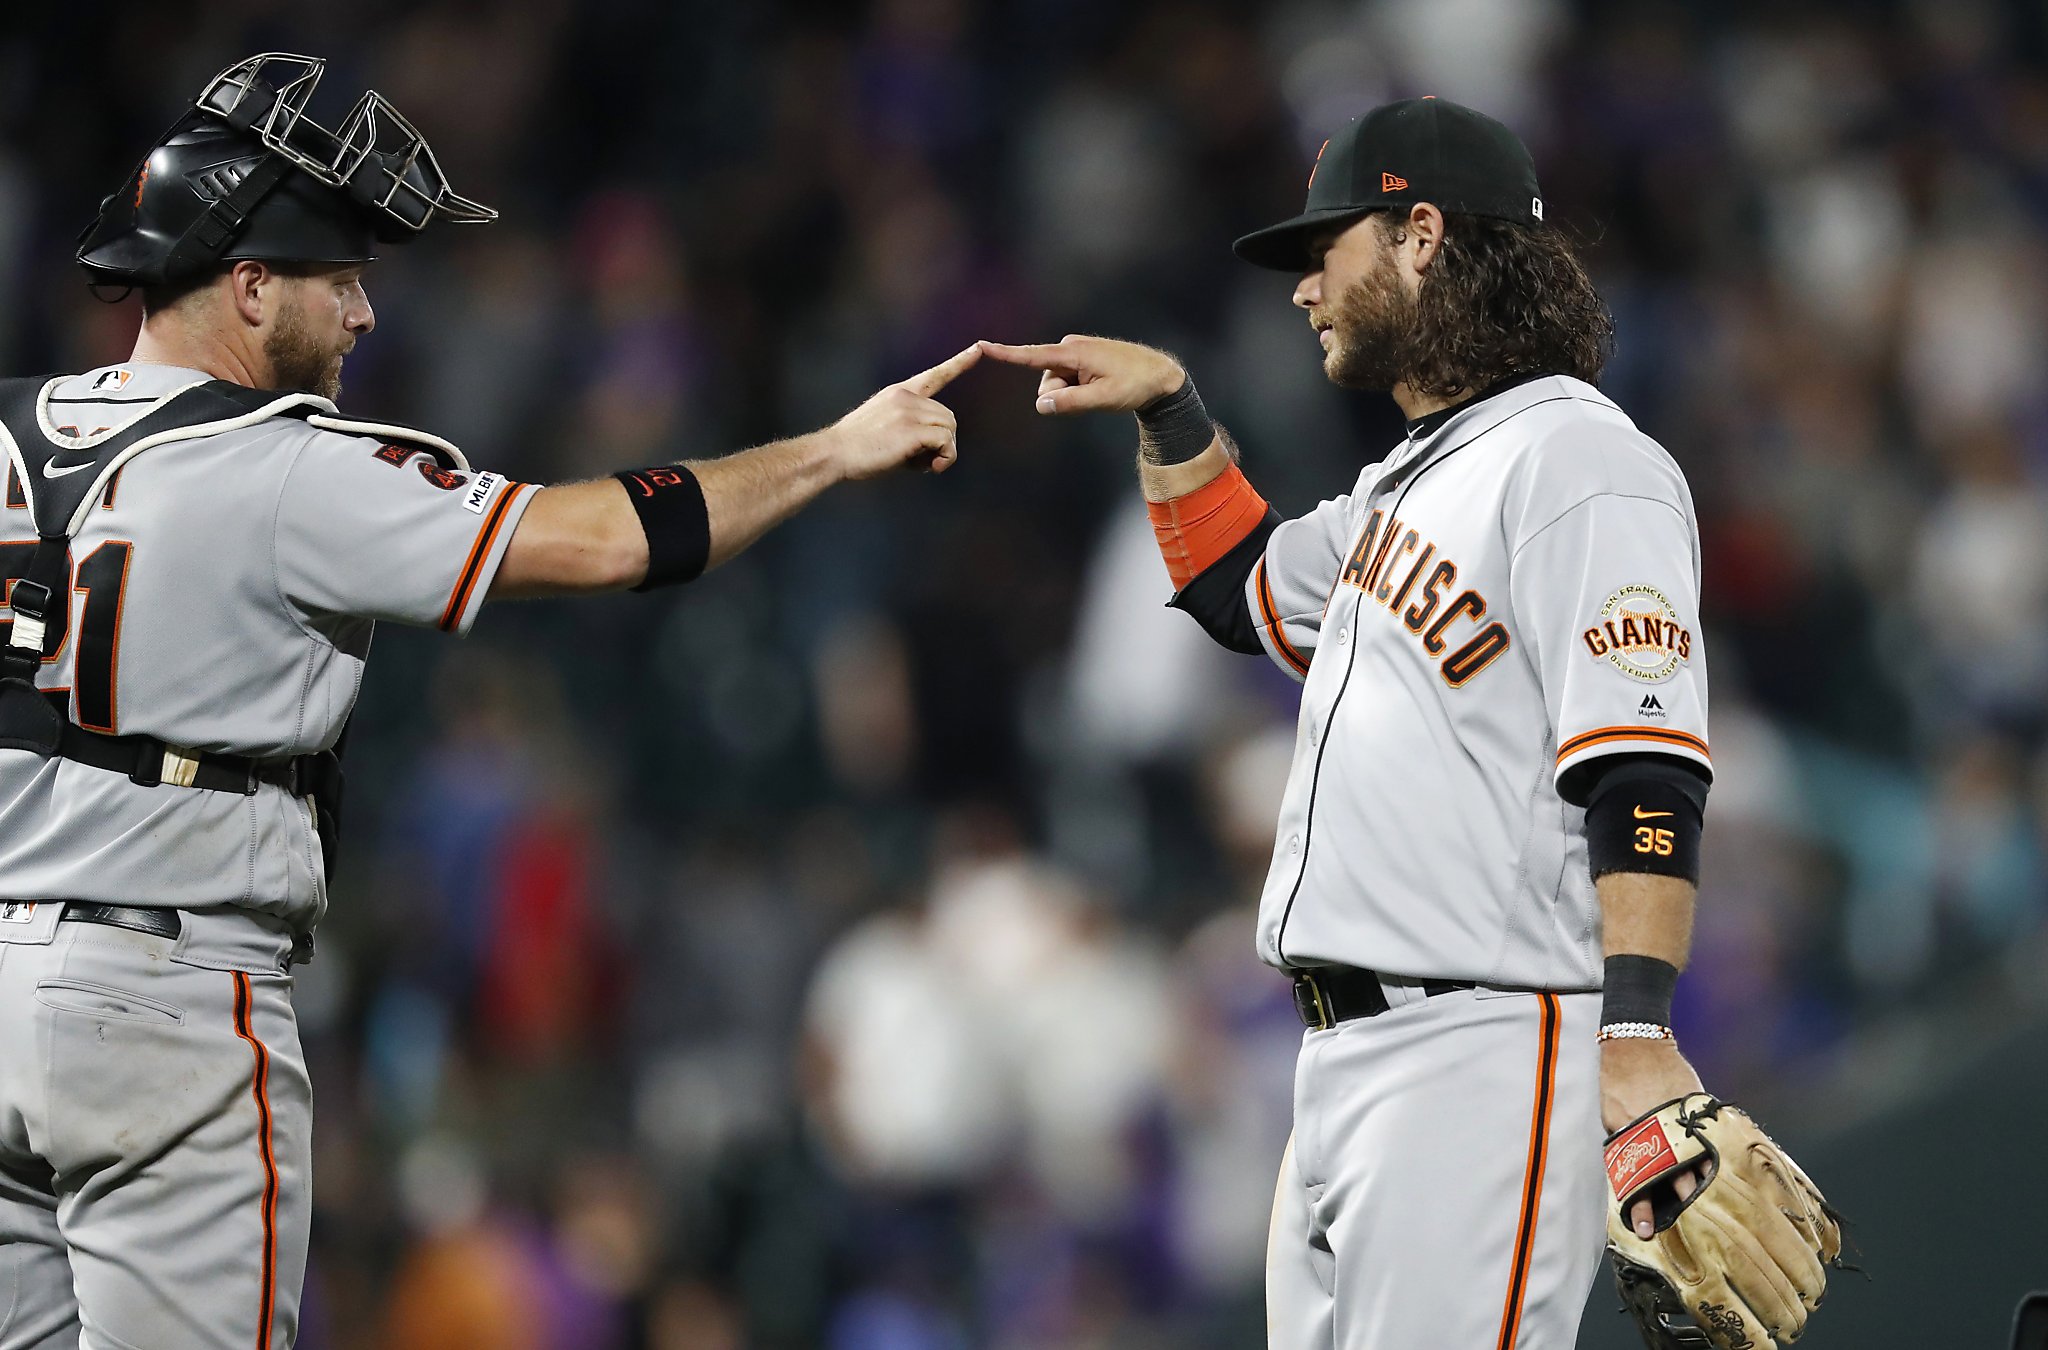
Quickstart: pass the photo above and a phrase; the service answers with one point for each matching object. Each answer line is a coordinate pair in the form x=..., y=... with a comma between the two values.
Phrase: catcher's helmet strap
x=209, y=236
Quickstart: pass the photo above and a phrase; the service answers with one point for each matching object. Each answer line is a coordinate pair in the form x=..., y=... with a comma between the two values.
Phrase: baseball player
x=197, y=546
x=1501, y=766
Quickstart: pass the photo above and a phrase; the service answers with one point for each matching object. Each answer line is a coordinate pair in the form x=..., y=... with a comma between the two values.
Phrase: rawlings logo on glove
x=1742, y=1261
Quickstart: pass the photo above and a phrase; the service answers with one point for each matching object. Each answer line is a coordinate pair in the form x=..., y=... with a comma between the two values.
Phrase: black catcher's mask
x=246, y=174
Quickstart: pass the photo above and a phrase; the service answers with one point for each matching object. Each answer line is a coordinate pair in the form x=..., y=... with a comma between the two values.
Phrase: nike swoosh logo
x=50, y=469
x=1641, y=814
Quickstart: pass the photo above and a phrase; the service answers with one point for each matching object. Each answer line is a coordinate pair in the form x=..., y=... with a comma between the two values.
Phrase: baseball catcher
x=195, y=545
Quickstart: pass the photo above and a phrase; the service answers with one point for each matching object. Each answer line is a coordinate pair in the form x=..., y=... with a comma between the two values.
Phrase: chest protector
x=61, y=480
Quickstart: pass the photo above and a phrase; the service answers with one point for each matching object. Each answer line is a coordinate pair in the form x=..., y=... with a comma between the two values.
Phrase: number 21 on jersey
x=102, y=579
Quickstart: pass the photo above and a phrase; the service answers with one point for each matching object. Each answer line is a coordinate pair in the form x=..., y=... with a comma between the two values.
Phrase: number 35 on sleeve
x=1651, y=840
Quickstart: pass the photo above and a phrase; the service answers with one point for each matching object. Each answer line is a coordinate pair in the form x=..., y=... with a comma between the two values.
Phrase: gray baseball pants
x=1443, y=1189
x=155, y=1130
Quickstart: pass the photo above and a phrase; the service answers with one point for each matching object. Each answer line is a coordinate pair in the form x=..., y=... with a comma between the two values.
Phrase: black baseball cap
x=1418, y=150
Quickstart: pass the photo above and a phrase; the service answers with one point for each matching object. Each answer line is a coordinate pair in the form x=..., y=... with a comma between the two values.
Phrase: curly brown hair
x=1501, y=300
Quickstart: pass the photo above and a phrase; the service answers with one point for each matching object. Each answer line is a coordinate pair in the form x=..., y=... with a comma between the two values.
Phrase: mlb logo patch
x=479, y=494
x=110, y=379
x=18, y=911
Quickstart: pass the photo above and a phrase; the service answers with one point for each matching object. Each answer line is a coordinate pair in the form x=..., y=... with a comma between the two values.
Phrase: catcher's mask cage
x=247, y=174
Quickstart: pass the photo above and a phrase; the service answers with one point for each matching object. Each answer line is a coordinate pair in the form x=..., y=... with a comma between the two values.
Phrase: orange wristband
x=1197, y=529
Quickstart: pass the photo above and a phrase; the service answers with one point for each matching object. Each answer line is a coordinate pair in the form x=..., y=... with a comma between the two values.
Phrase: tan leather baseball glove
x=1742, y=1261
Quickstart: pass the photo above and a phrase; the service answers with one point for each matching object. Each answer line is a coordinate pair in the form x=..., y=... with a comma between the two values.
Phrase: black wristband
x=1175, y=427
x=670, y=503
x=1637, y=989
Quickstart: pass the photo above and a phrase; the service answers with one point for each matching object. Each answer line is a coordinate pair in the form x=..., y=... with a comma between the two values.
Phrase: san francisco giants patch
x=1639, y=635
x=444, y=479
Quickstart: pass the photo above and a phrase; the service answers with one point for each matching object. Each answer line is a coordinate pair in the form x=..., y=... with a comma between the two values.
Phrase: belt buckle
x=1311, y=1004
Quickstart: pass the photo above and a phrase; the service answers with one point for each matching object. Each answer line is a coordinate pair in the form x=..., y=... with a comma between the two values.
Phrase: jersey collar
x=1422, y=428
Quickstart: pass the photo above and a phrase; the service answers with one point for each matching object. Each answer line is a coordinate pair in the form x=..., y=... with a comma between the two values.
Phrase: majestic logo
x=441, y=478
x=1392, y=182
x=1649, y=707
x=110, y=379
x=1639, y=635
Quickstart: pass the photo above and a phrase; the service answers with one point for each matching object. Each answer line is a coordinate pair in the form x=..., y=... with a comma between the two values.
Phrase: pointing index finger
x=1038, y=355
x=927, y=384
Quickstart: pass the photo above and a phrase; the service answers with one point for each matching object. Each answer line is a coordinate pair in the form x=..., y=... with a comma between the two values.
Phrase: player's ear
x=253, y=289
x=1425, y=225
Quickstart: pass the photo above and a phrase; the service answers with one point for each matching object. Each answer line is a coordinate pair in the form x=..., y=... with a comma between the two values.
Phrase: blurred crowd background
x=854, y=949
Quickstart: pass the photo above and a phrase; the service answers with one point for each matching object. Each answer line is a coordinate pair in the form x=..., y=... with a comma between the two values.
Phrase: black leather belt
x=1327, y=995
x=163, y=923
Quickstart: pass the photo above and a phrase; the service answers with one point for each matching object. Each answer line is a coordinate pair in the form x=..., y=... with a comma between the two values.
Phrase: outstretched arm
x=578, y=538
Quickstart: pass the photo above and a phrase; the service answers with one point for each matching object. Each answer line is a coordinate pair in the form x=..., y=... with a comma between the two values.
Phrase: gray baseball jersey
x=224, y=594
x=224, y=583
x=1499, y=602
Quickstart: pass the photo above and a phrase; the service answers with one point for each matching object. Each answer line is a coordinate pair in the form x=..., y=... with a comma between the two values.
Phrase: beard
x=299, y=362
x=1372, y=331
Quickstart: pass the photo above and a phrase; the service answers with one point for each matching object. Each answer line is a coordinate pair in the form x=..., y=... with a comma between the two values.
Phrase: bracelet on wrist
x=1635, y=1031
x=1175, y=427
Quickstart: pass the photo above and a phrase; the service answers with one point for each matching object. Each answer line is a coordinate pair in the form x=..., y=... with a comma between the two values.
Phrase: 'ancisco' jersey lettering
x=223, y=596
x=1497, y=604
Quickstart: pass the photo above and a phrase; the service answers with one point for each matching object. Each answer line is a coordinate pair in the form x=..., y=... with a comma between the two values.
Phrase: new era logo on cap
x=1391, y=182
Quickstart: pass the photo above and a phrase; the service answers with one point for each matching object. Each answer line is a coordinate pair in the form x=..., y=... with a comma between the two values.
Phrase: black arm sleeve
x=1663, y=790
x=1595, y=778
x=1215, y=598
